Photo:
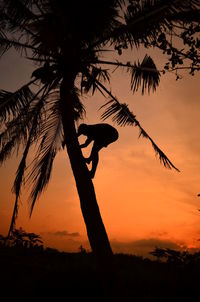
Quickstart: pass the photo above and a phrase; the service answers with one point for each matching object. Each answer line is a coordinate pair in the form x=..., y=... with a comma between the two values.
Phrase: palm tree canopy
x=69, y=37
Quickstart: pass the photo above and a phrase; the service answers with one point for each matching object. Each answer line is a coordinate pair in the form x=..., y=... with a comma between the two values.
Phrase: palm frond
x=145, y=19
x=19, y=11
x=21, y=47
x=51, y=142
x=18, y=183
x=145, y=75
x=19, y=124
x=12, y=26
x=121, y=114
x=19, y=127
x=12, y=102
x=89, y=78
x=14, y=134
x=16, y=131
x=44, y=167
x=4, y=43
x=187, y=17
x=6, y=150
x=35, y=118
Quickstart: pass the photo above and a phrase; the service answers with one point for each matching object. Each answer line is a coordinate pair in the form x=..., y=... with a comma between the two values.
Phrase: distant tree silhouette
x=66, y=40
x=175, y=256
x=21, y=239
x=18, y=237
x=33, y=240
x=2, y=240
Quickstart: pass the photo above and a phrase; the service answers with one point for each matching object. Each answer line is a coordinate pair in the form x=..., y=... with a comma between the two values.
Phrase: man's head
x=82, y=129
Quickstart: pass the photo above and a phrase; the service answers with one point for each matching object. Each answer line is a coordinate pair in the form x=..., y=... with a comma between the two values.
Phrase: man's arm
x=87, y=142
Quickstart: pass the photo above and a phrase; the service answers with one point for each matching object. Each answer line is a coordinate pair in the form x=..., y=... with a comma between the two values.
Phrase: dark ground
x=50, y=275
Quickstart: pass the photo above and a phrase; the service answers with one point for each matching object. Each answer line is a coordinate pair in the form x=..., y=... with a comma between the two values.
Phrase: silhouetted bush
x=21, y=239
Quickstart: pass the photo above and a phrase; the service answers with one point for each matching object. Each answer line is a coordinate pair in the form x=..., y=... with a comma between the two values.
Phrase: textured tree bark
x=96, y=232
x=89, y=206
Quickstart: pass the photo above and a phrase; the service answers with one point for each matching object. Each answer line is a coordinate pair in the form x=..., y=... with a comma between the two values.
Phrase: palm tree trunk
x=96, y=232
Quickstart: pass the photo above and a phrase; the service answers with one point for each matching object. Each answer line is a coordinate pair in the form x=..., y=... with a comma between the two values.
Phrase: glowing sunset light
x=140, y=201
x=131, y=64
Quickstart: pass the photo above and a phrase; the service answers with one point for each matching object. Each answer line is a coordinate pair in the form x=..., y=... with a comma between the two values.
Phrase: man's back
x=102, y=132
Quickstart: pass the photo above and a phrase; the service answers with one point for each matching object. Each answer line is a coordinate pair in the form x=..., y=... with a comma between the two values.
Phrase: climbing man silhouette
x=102, y=135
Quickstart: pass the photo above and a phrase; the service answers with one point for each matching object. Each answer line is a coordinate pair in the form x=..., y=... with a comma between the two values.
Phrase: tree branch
x=128, y=65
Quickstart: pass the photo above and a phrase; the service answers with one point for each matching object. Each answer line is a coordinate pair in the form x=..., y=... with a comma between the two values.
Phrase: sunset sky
x=143, y=205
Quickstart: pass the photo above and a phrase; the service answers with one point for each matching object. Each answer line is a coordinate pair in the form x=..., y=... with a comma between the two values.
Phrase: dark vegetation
x=28, y=270
x=68, y=42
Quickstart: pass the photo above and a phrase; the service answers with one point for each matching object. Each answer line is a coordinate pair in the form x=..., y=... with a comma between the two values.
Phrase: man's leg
x=88, y=160
x=95, y=161
x=94, y=157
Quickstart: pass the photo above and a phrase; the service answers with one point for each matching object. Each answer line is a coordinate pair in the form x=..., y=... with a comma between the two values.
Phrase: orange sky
x=143, y=205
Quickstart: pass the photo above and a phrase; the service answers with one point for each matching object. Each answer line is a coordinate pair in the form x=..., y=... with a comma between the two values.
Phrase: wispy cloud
x=144, y=246
x=63, y=234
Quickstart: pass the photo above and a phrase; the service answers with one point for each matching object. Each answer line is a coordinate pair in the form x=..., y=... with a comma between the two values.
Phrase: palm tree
x=66, y=40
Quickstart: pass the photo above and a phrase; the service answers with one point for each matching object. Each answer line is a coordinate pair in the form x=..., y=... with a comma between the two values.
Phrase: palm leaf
x=6, y=150
x=145, y=75
x=88, y=81
x=11, y=103
x=18, y=183
x=19, y=11
x=21, y=47
x=20, y=124
x=188, y=17
x=12, y=26
x=15, y=133
x=146, y=20
x=33, y=133
x=4, y=43
x=16, y=130
x=51, y=142
x=157, y=13
x=121, y=114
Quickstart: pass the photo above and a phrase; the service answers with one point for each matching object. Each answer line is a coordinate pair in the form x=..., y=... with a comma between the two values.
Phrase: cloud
x=70, y=242
x=155, y=234
x=63, y=234
x=144, y=246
